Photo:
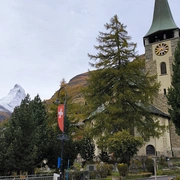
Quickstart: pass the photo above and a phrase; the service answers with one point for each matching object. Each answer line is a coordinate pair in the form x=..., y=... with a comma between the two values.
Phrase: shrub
x=147, y=174
x=140, y=175
x=92, y=174
x=149, y=165
x=104, y=170
x=123, y=169
x=159, y=172
x=138, y=163
x=162, y=160
x=177, y=178
x=77, y=175
x=171, y=172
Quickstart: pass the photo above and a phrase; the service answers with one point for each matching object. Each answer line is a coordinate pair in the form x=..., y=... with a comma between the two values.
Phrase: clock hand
x=158, y=51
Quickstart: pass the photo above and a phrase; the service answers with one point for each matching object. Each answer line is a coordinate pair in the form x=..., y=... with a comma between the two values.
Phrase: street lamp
x=155, y=166
x=61, y=122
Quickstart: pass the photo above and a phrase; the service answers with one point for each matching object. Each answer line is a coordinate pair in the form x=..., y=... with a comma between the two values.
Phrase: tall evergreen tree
x=30, y=136
x=25, y=137
x=119, y=89
x=87, y=149
x=173, y=95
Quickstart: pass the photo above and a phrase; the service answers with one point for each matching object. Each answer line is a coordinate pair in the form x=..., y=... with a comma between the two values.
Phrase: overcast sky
x=44, y=41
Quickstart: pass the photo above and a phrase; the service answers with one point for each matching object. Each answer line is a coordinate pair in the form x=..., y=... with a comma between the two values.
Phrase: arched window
x=163, y=68
x=164, y=91
x=150, y=150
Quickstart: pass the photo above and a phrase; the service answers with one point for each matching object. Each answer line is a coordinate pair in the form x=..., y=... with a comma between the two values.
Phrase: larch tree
x=119, y=91
x=173, y=95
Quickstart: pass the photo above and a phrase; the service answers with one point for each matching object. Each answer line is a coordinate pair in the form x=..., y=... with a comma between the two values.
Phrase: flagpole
x=63, y=136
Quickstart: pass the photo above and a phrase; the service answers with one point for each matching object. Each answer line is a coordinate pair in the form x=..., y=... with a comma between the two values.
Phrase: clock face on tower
x=161, y=49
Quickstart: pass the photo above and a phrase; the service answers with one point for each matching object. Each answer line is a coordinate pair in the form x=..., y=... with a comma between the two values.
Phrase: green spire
x=162, y=19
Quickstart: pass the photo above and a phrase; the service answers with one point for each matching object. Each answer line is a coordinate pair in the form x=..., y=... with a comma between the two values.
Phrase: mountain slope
x=4, y=115
x=3, y=109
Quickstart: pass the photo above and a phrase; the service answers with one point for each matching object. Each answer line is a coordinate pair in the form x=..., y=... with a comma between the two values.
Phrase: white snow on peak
x=14, y=98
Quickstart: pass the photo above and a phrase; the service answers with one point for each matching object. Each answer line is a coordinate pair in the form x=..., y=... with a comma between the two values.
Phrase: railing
x=31, y=177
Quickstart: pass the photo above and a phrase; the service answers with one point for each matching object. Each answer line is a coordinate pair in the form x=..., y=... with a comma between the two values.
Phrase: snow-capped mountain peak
x=14, y=98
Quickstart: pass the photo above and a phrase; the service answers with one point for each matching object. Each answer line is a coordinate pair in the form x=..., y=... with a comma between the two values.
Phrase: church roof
x=162, y=18
x=158, y=112
x=152, y=109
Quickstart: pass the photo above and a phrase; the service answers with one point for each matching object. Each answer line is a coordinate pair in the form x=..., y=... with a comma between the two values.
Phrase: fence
x=30, y=177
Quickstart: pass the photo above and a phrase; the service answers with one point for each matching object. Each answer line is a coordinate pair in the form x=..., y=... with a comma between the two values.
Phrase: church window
x=150, y=150
x=164, y=91
x=163, y=68
x=164, y=36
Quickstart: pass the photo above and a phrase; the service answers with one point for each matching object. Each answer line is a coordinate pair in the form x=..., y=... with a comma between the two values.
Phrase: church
x=160, y=43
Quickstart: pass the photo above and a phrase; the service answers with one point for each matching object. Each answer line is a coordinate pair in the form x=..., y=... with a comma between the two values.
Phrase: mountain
x=4, y=115
x=13, y=99
x=80, y=79
x=73, y=87
x=3, y=109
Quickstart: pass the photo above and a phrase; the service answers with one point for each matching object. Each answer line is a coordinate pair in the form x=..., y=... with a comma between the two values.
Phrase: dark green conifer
x=87, y=150
x=174, y=91
x=25, y=136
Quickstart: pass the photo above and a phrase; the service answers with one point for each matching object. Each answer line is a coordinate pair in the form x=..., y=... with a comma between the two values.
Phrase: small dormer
x=163, y=26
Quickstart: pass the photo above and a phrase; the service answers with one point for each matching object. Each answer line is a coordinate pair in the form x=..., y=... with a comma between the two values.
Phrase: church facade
x=160, y=43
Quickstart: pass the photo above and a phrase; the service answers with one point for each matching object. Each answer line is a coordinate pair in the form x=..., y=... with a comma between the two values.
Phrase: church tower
x=160, y=43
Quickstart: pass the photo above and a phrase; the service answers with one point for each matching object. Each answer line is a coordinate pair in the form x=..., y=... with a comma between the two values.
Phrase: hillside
x=4, y=115
x=80, y=79
x=73, y=87
x=76, y=83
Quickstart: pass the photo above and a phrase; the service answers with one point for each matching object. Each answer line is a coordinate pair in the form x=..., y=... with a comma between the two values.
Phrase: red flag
x=61, y=114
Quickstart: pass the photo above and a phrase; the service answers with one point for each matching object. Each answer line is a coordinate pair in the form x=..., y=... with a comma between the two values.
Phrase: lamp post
x=155, y=166
x=61, y=122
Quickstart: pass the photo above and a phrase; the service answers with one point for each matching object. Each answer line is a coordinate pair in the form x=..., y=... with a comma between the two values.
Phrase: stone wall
x=160, y=101
x=175, y=141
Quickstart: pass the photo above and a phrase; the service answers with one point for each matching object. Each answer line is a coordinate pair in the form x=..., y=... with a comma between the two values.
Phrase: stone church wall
x=160, y=101
x=175, y=141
